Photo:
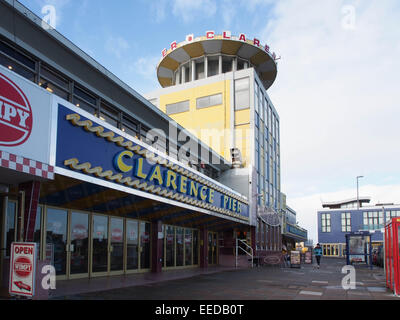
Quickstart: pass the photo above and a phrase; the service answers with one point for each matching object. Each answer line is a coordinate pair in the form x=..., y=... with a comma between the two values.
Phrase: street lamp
x=358, y=202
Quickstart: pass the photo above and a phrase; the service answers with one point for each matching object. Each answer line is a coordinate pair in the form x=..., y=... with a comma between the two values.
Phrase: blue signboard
x=87, y=147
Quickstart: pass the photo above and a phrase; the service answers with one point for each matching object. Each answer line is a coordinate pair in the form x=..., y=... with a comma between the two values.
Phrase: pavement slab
x=262, y=283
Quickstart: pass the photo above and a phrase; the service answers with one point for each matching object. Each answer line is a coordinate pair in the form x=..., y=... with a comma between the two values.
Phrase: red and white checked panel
x=21, y=164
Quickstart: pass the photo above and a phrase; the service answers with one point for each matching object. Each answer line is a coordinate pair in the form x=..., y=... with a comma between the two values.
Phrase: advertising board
x=23, y=268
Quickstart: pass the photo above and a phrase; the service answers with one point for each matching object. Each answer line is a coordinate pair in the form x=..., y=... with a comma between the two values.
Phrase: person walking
x=318, y=254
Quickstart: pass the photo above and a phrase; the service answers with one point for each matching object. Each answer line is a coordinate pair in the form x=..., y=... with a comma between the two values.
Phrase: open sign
x=23, y=268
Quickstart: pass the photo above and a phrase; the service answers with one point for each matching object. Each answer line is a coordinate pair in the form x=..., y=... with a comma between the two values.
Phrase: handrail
x=245, y=251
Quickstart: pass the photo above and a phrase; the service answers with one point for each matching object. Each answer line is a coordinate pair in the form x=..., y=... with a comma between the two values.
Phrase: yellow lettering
x=182, y=184
x=203, y=193
x=171, y=180
x=211, y=195
x=156, y=174
x=139, y=169
x=193, y=189
x=120, y=164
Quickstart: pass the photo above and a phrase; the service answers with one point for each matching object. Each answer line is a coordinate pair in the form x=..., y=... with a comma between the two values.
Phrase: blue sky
x=337, y=90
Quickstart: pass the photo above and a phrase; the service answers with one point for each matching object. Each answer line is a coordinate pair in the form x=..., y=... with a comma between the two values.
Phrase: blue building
x=341, y=217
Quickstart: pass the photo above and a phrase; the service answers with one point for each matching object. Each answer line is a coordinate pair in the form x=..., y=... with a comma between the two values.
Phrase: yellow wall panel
x=242, y=117
x=212, y=122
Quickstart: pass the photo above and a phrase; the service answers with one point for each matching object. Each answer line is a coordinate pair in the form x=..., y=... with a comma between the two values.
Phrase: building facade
x=216, y=87
x=83, y=176
x=342, y=217
x=292, y=232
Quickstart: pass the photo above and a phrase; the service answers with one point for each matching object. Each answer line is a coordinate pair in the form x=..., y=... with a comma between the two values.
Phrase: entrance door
x=212, y=248
x=117, y=245
x=79, y=245
x=56, y=239
x=100, y=245
x=132, y=247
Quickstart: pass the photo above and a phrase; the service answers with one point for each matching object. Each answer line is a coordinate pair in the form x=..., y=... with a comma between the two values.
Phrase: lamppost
x=358, y=202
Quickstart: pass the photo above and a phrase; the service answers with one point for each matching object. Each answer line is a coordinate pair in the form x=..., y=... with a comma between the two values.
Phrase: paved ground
x=263, y=283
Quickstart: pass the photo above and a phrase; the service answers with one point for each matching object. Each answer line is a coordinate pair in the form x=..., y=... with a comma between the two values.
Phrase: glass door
x=188, y=247
x=132, y=247
x=56, y=239
x=79, y=244
x=179, y=246
x=215, y=252
x=144, y=230
x=117, y=245
x=169, y=246
x=210, y=248
x=100, y=245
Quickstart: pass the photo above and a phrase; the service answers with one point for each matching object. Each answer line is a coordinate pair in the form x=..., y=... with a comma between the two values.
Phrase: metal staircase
x=248, y=251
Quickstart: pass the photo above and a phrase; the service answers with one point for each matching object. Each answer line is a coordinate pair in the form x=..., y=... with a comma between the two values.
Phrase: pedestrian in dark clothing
x=318, y=254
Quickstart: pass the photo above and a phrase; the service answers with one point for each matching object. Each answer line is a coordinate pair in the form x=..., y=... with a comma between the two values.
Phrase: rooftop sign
x=226, y=35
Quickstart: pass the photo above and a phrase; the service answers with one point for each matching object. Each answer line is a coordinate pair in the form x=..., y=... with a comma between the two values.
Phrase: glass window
x=199, y=69
x=84, y=105
x=179, y=246
x=10, y=225
x=188, y=71
x=85, y=96
x=130, y=127
x=17, y=68
x=132, y=244
x=242, y=94
x=54, y=78
x=21, y=58
x=227, y=64
x=56, y=235
x=326, y=222
x=53, y=89
x=241, y=64
x=209, y=101
x=188, y=247
x=100, y=244
x=117, y=244
x=213, y=65
x=195, y=247
x=80, y=242
x=144, y=245
x=178, y=107
x=109, y=115
x=37, y=232
x=170, y=246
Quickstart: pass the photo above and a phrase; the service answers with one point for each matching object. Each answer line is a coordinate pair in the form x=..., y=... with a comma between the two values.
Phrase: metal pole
x=358, y=201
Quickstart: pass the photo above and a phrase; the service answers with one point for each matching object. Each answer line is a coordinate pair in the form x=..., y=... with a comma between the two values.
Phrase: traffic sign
x=23, y=268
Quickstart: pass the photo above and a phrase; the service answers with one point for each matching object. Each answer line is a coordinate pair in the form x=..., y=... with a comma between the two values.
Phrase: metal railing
x=251, y=254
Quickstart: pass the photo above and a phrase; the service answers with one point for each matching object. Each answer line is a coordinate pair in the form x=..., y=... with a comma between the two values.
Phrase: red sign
x=23, y=268
x=116, y=234
x=79, y=232
x=15, y=114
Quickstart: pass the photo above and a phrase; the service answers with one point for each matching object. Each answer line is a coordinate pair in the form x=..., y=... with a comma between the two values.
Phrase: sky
x=337, y=90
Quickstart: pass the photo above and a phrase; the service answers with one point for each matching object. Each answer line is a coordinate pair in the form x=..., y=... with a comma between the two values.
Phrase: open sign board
x=23, y=268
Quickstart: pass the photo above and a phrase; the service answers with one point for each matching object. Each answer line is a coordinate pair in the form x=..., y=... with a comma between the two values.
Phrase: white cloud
x=158, y=9
x=336, y=92
x=116, y=45
x=188, y=9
